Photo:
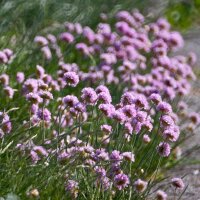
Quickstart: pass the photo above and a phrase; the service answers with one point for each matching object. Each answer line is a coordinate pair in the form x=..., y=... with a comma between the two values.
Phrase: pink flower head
x=67, y=37
x=71, y=78
x=161, y=195
x=178, y=183
x=20, y=77
x=164, y=107
x=164, y=149
x=121, y=181
x=89, y=95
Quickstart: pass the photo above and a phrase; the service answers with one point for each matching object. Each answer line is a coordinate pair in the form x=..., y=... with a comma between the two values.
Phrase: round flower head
x=121, y=181
x=164, y=149
x=195, y=118
x=107, y=109
x=20, y=77
x=129, y=156
x=100, y=171
x=3, y=57
x=166, y=120
x=44, y=114
x=119, y=116
x=116, y=156
x=102, y=88
x=70, y=100
x=129, y=111
x=140, y=101
x=4, y=79
x=178, y=183
x=161, y=195
x=9, y=92
x=40, y=150
x=127, y=98
x=155, y=98
x=89, y=96
x=164, y=107
x=41, y=40
x=146, y=139
x=104, y=97
x=46, y=95
x=67, y=37
x=171, y=134
x=71, y=78
x=140, y=185
x=34, y=98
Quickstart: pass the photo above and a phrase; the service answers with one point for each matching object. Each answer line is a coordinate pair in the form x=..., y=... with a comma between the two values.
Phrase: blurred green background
x=26, y=18
x=22, y=20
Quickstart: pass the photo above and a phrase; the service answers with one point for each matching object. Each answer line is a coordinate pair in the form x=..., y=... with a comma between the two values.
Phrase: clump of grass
x=100, y=115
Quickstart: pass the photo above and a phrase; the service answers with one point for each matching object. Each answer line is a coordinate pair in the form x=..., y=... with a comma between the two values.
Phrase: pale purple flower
x=129, y=156
x=116, y=156
x=119, y=116
x=46, y=52
x=178, y=183
x=46, y=95
x=8, y=53
x=6, y=125
x=41, y=40
x=71, y=78
x=3, y=57
x=146, y=139
x=89, y=95
x=166, y=120
x=44, y=114
x=104, y=97
x=164, y=107
x=102, y=88
x=4, y=79
x=40, y=150
x=129, y=110
x=9, y=92
x=70, y=100
x=121, y=181
x=67, y=37
x=161, y=195
x=20, y=77
x=164, y=149
x=40, y=71
x=155, y=98
x=140, y=185
x=127, y=98
x=100, y=171
x=34, y=98
x=72, y=187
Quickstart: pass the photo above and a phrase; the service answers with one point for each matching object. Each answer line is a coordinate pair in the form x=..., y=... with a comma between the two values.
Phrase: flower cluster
x=108, y=118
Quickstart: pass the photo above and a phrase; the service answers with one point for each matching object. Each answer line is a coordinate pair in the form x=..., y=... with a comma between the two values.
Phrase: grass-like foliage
x=93, y=113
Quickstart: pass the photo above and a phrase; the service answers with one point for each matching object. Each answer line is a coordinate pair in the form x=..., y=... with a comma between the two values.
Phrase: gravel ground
x=192, y=172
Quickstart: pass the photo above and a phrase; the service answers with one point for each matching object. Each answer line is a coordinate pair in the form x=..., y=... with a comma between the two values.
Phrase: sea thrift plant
x=102, y=117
